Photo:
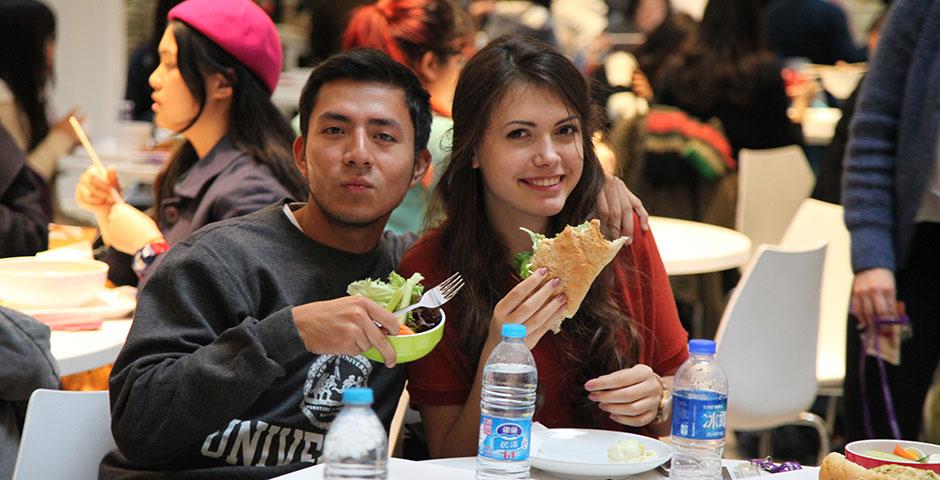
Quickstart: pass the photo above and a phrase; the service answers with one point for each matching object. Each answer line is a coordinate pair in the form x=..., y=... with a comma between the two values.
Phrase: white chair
x=767, y=342
x=771, y=185
x=817, y=222
x=65, y=435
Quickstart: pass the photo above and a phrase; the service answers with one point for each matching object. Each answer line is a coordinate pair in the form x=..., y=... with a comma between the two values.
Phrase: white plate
x=582, y=454
x=109, y=303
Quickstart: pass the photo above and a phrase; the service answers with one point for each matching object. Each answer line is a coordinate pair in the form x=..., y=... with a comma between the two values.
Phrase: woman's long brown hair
x=604, y=336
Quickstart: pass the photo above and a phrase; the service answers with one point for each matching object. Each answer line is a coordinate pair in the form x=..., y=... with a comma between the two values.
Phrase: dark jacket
x=225, y=183
x=25, y=365
x=893, y=137
x=813, y=29
x=24, y=224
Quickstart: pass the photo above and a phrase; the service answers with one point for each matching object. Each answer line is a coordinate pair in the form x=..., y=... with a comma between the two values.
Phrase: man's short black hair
x=366, y=65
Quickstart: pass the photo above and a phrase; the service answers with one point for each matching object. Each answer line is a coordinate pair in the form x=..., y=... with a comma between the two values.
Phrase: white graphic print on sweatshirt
x=260, y=443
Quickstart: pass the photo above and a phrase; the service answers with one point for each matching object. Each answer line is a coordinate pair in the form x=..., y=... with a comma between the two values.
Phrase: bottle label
x=504, y=438
x=699, y=415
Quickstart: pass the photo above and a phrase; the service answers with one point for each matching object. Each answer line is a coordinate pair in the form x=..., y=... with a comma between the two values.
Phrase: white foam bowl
x=36, y=282
x=841, y=81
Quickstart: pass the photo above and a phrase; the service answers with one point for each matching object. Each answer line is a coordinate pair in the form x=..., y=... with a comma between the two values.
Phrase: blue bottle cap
x=514, y=330
x=357, y=396
x=700, y=346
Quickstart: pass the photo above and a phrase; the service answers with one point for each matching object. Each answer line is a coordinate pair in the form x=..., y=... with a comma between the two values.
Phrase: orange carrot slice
x=405, y=329
x=902, y=452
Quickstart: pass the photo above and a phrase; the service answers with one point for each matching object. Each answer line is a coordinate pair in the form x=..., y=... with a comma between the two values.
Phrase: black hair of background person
x=26, y=28
x=328, y=19
x=142, y=62
x=25, y=205
x=256, y=127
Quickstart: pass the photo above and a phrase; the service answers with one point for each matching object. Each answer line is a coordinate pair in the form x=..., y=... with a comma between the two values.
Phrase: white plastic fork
x=436, y=296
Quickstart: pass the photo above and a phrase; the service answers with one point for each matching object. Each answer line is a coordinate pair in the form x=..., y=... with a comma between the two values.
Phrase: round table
x=691, y=247
x=85, y=350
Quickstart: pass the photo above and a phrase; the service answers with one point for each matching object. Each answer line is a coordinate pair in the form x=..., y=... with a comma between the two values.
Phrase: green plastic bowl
x=409, y=348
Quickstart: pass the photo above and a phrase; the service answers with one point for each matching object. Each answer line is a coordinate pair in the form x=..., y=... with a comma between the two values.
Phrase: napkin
x=539, y=432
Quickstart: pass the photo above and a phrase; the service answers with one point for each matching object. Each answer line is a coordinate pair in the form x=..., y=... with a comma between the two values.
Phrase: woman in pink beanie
x=219, y=63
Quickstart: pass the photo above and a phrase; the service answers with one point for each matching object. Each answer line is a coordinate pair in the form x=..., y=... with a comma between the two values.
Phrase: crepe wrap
x=577, y=258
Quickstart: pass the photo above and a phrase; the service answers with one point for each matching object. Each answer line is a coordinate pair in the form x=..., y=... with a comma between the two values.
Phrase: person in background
x=812, y=29
x=523, y=157
x=25, y=365
x=142, y=62
x=328, y=20
x=24, y=213
x=726, y=71
x=218, y=67
x=829, y=181
x=27, y=56
x=891, y=195
x=654, y=55
x=431, y=37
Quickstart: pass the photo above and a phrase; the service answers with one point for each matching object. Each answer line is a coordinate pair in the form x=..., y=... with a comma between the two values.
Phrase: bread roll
x=837, y=467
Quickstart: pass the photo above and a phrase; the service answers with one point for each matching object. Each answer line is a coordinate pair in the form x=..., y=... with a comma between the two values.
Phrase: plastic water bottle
x=699, y=408
x=506, y=407
x=356, y=446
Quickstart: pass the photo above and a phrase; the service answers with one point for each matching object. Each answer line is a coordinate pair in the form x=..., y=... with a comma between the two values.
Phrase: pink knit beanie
x=241, y=28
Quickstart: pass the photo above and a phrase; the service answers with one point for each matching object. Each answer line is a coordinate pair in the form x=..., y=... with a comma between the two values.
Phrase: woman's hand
x=129, y=229
x=641, y=85
x=874, y=295
x=534, y=302
x=631, y=396
x=615, y=207
x=93, y=193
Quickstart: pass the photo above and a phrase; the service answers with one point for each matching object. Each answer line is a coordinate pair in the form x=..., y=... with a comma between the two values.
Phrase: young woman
x=27, y=53
x=523, y=157
x=219, y=63
x=430, y=37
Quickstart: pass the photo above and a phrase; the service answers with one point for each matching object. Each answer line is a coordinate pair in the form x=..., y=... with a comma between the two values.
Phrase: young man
x=244, y=339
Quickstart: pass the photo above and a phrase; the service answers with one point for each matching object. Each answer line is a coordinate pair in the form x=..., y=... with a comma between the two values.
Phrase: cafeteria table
x=688, y=247
x=464, y=468
x=84, y=350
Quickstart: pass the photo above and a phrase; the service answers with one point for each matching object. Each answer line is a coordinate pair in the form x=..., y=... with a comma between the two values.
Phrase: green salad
x=394, y=294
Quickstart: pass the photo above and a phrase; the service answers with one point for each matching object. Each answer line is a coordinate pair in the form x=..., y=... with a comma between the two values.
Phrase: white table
x=465, y=468
x=691, y=247
x=86, y=350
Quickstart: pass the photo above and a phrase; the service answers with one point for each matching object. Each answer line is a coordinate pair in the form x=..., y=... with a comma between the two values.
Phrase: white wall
x=90, y=61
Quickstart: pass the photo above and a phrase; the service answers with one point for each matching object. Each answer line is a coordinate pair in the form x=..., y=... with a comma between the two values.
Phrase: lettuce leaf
x=522, y=261
x=392, y=294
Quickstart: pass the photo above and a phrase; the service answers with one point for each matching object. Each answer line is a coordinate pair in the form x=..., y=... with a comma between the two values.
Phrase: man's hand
x=615, y=207
x=631, y=396
x=346, y=326
x=874, y=295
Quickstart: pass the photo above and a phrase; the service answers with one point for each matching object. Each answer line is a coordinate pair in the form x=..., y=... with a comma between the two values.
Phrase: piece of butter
x=629, y=451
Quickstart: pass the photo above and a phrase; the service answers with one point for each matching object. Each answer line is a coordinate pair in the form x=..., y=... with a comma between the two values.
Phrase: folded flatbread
x=837, y=467
x=576, y=256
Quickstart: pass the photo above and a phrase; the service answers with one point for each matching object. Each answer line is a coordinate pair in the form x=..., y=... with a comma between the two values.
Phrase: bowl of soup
x=31, y=282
